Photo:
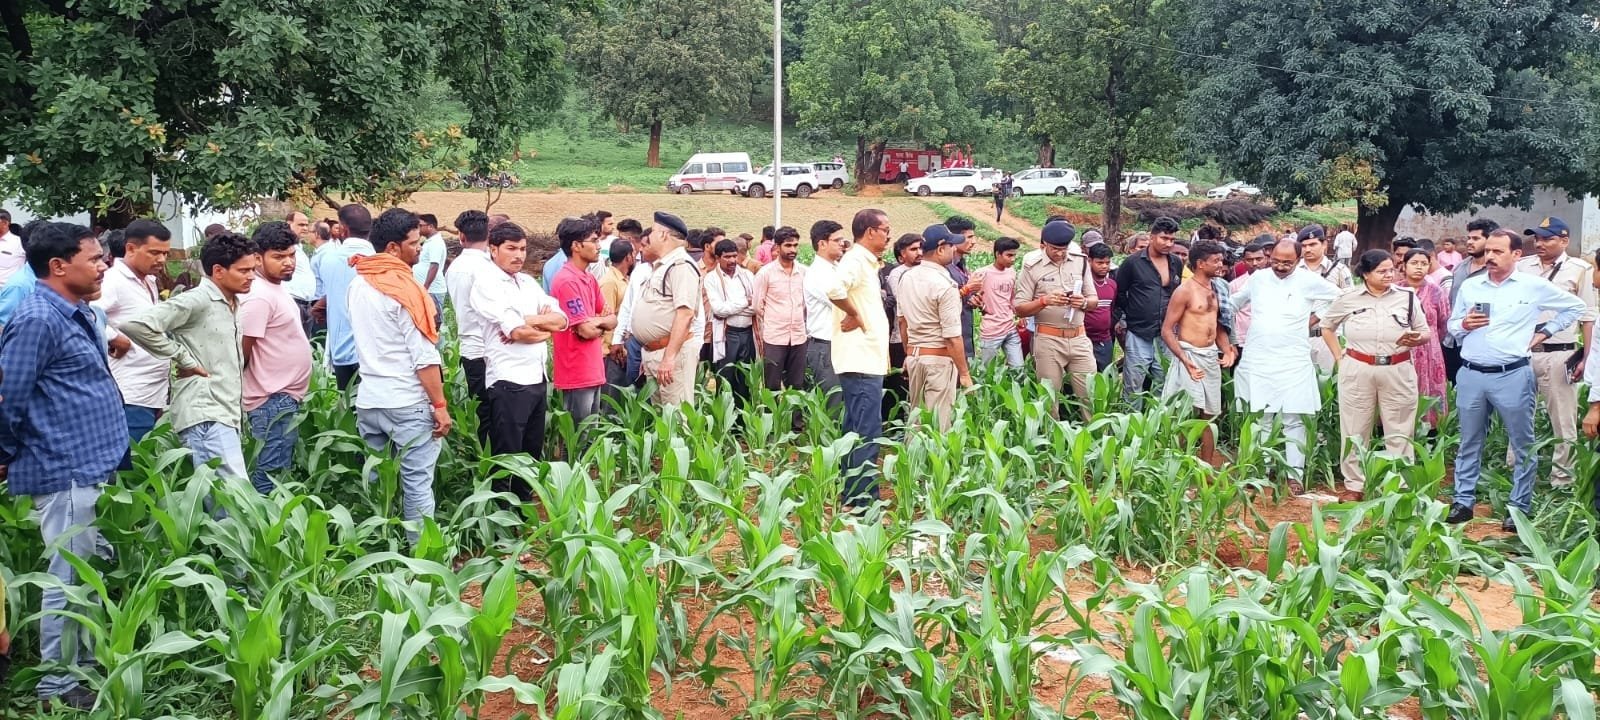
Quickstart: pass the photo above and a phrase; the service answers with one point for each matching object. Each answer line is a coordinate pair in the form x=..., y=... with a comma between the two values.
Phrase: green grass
x=1036, y=209
x=984, y=230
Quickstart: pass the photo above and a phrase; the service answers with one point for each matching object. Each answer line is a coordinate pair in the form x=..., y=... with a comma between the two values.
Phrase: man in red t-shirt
x=580, y=370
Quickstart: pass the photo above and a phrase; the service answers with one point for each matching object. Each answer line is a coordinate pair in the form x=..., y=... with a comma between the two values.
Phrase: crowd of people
x=92, y=356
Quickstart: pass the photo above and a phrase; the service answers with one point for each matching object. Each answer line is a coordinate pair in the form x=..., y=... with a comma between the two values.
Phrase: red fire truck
x=919, y=160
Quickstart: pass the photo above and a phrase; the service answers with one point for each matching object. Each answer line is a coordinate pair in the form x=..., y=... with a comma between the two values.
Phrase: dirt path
x=983, y=210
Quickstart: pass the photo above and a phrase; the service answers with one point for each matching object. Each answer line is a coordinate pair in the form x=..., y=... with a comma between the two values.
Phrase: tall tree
x=879, y=70
x=667, y=62
x=1405, y=102
x=1100, y=87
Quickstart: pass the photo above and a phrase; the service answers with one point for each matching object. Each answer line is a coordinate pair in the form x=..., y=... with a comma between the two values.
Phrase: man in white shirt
x=518, y=318
x=1496, y=318
x=12, y=256
x=1344, y=245
x=730, y=290
x=303, y=286
x=430, y=267
x=472, y=263
x=128, y=290
x=400, y=403
x=1277, y=377
x=638, y=278
x=829, y=240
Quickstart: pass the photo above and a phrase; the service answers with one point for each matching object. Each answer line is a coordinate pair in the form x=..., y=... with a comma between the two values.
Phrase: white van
x=709, y=171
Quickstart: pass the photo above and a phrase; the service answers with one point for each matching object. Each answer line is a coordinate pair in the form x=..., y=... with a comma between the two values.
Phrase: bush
x=1148, y=209
x=1238, y=212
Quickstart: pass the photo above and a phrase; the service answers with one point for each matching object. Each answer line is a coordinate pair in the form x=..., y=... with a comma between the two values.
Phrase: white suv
x=831, y=174
x=798, y=180
x=952, y=181
x=1045, y=181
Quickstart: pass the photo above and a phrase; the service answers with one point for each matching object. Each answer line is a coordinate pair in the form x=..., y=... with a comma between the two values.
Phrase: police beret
x=1058, y=234
x=672, y=222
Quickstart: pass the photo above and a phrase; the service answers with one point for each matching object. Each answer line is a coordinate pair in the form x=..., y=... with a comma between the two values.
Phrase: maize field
x=694, y=565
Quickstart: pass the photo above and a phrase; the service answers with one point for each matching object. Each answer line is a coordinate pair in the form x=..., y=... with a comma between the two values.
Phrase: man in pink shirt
x=1255, y=258
x=580, y=368
x=277, y=355
x=999, y=329
x=780, y=307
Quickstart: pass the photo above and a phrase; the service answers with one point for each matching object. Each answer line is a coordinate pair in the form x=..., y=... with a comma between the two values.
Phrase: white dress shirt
x=389, y=348
x=463, y=274
x=636, y=284
x=1514, y=308
x=730, y=300
x=303, y=284
x=505, y=300
x=142, y=377
x=12, y=257
x=819, y=309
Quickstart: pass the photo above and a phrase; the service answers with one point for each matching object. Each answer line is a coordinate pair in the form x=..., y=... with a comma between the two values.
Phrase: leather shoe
x=78, y=698
x=1459, y=514
x=1509, y=526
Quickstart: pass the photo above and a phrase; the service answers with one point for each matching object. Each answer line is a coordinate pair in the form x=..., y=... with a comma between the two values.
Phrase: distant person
x=303, y=286
x=430, y=268
x=730, y=292
x=1002, y=190
x=1344, y=245
x=214, y=229
x=12, y=256
x=765, y=251
x=780, y=308
x=965, y=229
x=1448, y=256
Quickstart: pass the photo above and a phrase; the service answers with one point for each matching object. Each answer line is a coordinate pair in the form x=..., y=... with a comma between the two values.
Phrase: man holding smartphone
x=1496, y=320
x=1558, y=363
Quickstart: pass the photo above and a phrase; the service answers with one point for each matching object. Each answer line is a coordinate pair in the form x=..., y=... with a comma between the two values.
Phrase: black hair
x=1100, y=251
x=224, y=250
x=958, y=224
x=696, y=238
x=142, y=229
x=767, y=233
x=785, y=234
x=906, y=242
x=1403, y=242
x=630, y=225
x=52, y=241
x=723, y=247
x=863, y=221
x=1415, y=252
x=1208, y=232
x=1203, y=250
x=713, y=231
x=1164, y=225
x=115, y=242
x=274, y=236
x=573, y=230
x=1425, y=244
x=600, y=217
x=5, y=215
x=1006, y=244
x=1509, y=234
x=1265, y=240
x=1052, y=218
x=1370, y=260
x=473, y=225
x=429, y=218
x=619, y=252
x=358, y=220
x=1483, y=225
x=506, y=232
x=822, y=229
x=391, y=228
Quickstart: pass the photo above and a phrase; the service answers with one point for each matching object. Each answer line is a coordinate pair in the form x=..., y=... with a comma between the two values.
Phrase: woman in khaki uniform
x=1381, y=323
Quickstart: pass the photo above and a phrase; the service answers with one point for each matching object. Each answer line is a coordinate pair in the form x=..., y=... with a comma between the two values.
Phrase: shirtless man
x=1193, y=331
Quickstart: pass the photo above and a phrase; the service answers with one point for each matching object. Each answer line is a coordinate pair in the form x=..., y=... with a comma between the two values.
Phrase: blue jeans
x=1102, y=354
x=1511, y=396
x=214, y=441
x=407, y=431
x=635, y=361
x=274, y=425
x=66, y=520
x=1010, y=343
x=141, y=420
x=581, y=403
x=863, y=415
x=1141, y=360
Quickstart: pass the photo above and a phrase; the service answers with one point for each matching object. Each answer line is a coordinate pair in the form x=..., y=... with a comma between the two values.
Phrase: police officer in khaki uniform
x=1381, y=323
x=1051, y=290
x=1558, y=363
x=929, y=307
x=666, y=309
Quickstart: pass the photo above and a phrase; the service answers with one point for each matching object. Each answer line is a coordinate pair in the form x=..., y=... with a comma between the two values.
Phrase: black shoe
x=78, y=698
x=1459, y=514
x=1509, y=526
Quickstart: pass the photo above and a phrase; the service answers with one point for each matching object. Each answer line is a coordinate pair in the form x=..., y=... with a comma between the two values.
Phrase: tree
x=1100, y=87
x=1442, y=106
x=668, y=62
x=226, y=102
x=876, y=70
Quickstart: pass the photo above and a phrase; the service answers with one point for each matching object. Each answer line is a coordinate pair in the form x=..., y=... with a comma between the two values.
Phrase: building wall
x=1581, y=215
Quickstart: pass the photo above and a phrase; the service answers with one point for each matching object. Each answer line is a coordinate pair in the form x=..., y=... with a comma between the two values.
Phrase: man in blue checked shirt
x=62, y=428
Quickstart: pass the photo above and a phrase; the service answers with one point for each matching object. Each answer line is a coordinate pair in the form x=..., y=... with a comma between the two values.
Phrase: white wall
x=1582, y=216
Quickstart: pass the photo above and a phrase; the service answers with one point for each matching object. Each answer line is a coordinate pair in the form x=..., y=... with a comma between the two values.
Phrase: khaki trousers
x=682, y=388
x=1054, y=358
x=933, y=384
x=1390, y=392
x=1561, y=401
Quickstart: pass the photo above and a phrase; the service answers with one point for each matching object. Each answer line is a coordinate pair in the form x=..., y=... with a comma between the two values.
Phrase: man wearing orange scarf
x=400, y=401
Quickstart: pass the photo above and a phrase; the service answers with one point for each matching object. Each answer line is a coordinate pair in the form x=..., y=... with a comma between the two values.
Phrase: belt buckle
x=1382, y=360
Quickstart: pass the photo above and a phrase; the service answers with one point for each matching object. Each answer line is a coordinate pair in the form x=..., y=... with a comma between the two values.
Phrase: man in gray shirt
x=1470, y=267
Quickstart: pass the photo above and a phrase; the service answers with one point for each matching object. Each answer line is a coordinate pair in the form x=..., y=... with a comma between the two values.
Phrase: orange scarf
x=392, y=276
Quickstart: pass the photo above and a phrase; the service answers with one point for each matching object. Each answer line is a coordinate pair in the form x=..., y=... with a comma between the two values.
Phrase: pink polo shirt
x=579, y=363
x=998, y=294
x=281, y=360
x=779, y=301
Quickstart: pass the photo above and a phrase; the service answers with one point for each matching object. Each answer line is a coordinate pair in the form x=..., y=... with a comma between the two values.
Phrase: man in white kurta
x=1277, y=377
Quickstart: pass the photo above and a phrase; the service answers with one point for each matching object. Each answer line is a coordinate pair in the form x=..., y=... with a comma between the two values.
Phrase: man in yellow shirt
x=861, y=350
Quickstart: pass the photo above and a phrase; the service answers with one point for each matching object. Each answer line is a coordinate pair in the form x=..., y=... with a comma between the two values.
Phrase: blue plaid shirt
x=61, y=417
x=1226, y=312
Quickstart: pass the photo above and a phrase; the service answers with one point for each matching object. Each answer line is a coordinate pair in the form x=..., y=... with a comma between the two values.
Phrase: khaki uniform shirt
x=1042, y=277
x=674, y=283
x=1373, y=324
x=1334, y=272
x=1572, y=274
x=931, y=304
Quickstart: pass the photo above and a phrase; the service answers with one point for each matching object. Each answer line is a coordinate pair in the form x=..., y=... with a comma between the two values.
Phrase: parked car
x=1045, y=181
x=952, y=181
x=1097, y=190
x=797, y=180
x=831, y=174
x=709, y=171
x=1161, y=186
x=1233, y=189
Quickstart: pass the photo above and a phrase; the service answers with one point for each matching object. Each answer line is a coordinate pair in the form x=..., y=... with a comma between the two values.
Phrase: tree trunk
x=1375, y=226
x=653, y=157
x=1047, y=153
x=1111, y=207
x=868, y=158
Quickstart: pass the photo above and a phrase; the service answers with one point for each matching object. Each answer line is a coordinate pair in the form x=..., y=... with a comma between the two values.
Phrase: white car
x=1161, y=186
x=798, y=180
x=1237, y=187
x=1130, y=181
x=1045, y=181
x=831, y=174
x=955, y=181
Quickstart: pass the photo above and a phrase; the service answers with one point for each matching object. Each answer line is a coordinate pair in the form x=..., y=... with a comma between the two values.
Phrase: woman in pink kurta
x=1428, y=358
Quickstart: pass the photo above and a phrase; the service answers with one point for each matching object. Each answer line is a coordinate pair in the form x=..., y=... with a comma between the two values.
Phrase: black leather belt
x=1494, y=369
x=1554, y=347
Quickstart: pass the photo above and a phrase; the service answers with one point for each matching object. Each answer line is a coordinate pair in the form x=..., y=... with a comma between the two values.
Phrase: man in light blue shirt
x=333, y=281
x=1495, y=319
x=17, y=288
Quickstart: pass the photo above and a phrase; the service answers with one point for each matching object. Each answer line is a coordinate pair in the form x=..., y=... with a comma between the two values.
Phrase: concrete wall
x=1581, y=215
